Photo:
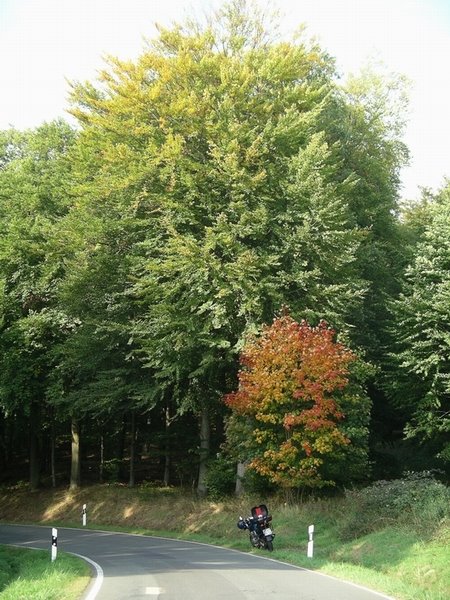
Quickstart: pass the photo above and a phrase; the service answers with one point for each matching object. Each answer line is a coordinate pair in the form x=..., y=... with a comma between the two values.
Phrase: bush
x=111, y=470
x=258, y=485
x=417, y=500
x=221, y=478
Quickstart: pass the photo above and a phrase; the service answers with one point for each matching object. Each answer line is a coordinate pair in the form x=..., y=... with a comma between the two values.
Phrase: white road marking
x=98, y=580
x=153, y=591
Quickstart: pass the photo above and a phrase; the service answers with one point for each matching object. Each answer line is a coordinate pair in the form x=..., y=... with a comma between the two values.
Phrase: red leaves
x=291, y=361
x=288, y=382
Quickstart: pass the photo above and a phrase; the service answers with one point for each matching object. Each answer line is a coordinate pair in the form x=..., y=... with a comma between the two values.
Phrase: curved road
x=152, y=568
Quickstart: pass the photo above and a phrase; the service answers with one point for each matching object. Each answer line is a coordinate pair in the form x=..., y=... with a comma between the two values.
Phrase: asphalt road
x=129, y=567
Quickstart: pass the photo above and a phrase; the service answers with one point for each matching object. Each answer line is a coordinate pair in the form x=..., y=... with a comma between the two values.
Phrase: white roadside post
x=54, y=543
x=84, y=515
x=310, y=551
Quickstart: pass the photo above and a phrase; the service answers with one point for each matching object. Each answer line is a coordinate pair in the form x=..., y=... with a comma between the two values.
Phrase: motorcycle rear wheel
x=269, y=546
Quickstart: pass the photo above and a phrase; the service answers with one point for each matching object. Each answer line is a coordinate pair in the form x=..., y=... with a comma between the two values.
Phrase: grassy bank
x=30, y=575
x=400, y=550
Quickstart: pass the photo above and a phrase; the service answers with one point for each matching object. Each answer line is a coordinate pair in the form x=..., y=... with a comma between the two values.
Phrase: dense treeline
x=218, y=179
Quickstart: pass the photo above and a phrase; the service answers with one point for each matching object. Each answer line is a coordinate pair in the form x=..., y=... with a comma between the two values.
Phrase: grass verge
x=30, y=575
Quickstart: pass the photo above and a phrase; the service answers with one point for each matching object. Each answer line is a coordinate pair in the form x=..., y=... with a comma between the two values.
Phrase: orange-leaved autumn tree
x=290, y=382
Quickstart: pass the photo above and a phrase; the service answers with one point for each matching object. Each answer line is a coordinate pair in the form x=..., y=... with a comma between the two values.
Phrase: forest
x=210, y=279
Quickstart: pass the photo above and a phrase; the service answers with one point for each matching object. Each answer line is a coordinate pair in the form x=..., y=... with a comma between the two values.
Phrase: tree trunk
x=76, y=465
x=3, y=442
x=132, y=447
x=121, y=448
x=240, y=472
x=166, y=479
x=205, y=440
x=34, y=447
x=102, y=459
x=52, y=454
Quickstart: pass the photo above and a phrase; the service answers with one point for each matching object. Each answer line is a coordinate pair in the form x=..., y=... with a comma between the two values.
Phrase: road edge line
x=91, y=595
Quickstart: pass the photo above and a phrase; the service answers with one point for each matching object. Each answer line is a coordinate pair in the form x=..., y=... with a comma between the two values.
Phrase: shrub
x=111, y=470
x=417, y=500
x=221, y=477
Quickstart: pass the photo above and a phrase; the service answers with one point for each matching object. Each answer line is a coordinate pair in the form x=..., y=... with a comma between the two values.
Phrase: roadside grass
x=396, y=561
x=27, y=574
x=398, y=553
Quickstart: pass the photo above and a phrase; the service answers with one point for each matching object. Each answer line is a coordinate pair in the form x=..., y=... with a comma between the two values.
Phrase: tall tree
x=34, y=183
x=214, y=140
x=421, y=373
x=367, y=120
x=246, y=179
x=97, y=372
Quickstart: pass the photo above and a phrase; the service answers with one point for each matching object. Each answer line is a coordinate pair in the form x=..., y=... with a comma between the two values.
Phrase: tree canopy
x=222, y=175
x=421, y=321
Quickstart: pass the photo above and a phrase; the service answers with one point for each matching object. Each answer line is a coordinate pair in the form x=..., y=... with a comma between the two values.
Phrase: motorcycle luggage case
x=260, y=512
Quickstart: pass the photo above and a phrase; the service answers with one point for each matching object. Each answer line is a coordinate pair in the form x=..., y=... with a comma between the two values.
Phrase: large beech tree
x=294, y=385
x=213, y=141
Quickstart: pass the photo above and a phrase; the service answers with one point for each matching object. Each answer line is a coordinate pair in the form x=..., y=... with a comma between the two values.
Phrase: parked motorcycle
x=261, y=535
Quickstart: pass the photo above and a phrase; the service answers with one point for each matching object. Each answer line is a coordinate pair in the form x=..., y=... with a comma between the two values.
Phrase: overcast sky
x=43, y=42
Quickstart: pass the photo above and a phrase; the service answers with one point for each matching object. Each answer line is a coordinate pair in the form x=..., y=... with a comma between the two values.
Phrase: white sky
x=43, y=42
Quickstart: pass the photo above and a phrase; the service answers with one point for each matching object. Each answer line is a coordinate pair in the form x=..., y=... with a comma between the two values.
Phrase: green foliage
x=415, y=218
x=29, y=574
x=420, y=384
x=367, y=120
x=222, y=175
x=222, y=154
x=8, y=568
x=417, y=500
x=34, y=183
x=111, y=470
x=221, y=477
x=218, y=155
x=257, y=485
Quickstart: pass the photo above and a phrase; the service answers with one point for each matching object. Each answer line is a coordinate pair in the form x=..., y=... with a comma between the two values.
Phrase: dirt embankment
x=120, y=506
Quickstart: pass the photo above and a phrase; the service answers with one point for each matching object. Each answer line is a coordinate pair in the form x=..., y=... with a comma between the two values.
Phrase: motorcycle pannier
x=260, y=512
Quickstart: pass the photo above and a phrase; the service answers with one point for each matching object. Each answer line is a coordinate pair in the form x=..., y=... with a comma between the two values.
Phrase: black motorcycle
x=261, y=535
